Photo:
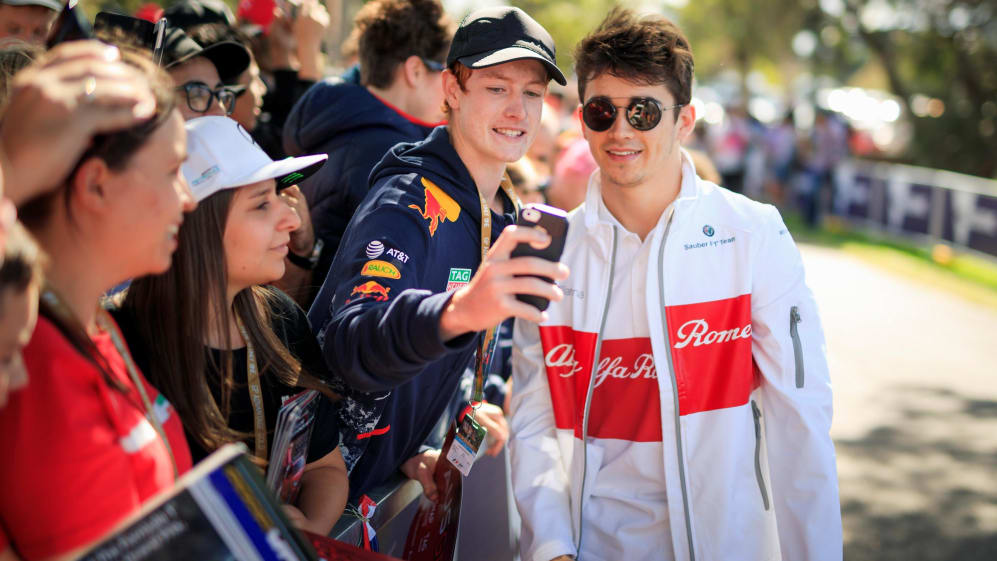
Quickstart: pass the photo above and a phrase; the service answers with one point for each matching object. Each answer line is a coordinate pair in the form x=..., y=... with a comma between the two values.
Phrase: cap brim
x=510, y=54
x=287, y=172
x=50, y=4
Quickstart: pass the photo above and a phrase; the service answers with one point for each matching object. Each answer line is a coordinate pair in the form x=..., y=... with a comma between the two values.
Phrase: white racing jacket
x=710, y=404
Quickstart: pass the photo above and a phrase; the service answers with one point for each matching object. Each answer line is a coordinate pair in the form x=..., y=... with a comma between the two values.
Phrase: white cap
x=222, y=155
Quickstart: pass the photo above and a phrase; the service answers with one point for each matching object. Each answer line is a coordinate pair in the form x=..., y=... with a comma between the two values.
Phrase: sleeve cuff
x=552, y=549
x=426, y=327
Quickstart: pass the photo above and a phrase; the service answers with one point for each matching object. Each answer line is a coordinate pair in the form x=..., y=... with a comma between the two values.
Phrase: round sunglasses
x=643, y=113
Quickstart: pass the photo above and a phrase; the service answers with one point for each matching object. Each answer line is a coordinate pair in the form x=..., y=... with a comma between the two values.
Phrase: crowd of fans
x=166, y=224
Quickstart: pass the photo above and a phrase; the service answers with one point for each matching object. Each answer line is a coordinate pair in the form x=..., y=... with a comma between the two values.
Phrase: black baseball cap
x=500, y=34
x=54, y=5
x=230, y=59
x=188, y=13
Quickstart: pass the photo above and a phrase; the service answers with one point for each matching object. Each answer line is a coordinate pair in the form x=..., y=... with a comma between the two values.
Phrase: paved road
x=914, y=371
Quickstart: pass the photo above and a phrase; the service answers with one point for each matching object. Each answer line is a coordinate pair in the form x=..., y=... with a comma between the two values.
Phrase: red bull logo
x=438, y=206
x=372, y=289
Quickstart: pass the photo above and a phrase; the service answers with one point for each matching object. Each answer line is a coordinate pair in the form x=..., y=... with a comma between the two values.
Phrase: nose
x=516, y=108
x=187, y=201
x=621, y=127
x=216, y=108
x=289, y=220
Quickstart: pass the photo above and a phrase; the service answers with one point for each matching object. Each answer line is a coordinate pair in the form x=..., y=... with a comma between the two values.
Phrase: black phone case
x=555, y=222
x=70, y=25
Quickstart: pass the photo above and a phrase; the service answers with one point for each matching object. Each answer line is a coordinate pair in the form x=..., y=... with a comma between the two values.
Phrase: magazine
x=219, y=511
x=289, y=447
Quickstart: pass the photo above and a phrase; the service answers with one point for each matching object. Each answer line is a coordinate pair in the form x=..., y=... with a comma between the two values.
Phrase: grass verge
x=970, y=276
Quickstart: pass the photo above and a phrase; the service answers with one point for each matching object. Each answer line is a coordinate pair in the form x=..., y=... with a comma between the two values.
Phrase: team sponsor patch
x=377, y=248
x=162, y=409
x=711, y=352
x=399, y=255
x=458, y=278
x=439, y=207
x=374, y=249
x=378, y=268
x=626, y=380
x=370, y=288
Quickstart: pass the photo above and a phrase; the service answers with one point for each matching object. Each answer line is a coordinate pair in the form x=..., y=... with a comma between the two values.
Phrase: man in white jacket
x=701, y=431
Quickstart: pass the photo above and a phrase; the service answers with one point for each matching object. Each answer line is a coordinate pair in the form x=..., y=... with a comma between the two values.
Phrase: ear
x=686, y=122
x=87, y=186
x=412, y=71
x=450, y=89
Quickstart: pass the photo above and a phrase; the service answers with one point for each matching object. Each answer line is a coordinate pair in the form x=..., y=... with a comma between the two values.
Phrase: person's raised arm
x=74, y=91
x=490, y=297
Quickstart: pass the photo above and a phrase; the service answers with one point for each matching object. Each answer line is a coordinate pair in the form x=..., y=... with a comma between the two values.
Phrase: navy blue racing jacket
x=414, y=239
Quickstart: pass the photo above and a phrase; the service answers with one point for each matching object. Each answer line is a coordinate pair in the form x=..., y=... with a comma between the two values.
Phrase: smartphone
x=552, y=220
x=139, y=31
x=71, y=25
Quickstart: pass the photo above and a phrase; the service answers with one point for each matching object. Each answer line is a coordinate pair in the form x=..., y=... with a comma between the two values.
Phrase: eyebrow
x=261, y=192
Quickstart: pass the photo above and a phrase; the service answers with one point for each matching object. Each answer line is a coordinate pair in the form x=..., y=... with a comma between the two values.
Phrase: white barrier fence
x=939, y=205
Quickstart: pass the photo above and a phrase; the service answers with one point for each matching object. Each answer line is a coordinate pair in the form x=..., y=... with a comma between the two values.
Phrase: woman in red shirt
x=88, y=440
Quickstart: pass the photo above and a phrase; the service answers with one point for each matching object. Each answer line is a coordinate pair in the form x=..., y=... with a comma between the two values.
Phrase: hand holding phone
x=554, y=222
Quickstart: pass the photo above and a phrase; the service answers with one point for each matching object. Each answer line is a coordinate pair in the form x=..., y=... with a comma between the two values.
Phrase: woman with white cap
x=225, y=349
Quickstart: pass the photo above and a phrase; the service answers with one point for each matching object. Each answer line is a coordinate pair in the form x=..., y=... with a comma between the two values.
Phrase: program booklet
x=289, y=448
x=219, y=511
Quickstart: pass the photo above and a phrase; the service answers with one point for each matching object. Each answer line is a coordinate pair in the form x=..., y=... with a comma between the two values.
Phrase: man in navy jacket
x=401, y=48
x=400, y=312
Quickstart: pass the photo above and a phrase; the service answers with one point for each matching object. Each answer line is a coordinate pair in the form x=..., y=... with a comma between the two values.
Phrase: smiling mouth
x=623, y=152
x=511, y=133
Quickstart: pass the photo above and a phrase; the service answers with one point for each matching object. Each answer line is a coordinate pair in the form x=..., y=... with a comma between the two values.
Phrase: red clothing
x=78, y=455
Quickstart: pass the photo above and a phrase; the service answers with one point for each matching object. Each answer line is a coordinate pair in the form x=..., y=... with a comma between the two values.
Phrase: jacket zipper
x=675, y=392
x=757, y=414
x=591, y=388
x=794, y=333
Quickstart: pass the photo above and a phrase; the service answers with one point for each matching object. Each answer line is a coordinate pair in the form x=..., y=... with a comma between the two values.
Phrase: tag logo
x=709, y=231
x=458, y=278
x=370, y=288
x=439, y=207
x=380, y=268
x=374, y=249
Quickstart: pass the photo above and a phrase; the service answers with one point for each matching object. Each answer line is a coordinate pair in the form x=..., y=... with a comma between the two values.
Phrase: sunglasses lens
x=599, y=114
x=643, y=114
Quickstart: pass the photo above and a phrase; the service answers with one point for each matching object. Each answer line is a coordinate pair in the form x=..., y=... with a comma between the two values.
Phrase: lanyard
x=105, y=323
x=488, y=340
x=255, y=394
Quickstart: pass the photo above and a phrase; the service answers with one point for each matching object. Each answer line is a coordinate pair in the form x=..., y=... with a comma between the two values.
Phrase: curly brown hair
x=645, y=50
x=390, y=31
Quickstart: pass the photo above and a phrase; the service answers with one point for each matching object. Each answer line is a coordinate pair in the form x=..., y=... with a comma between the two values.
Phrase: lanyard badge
x=469, y=433
x=466, y=442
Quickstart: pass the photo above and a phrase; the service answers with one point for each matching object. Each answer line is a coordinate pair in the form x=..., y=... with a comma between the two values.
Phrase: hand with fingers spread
x=74, y=91
x=422, y=467
x=490, y=297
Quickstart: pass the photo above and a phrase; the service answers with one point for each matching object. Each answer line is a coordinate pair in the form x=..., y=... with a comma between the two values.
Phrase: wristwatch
x=307, y=262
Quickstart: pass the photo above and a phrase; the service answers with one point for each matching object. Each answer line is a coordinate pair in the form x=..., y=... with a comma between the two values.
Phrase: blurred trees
x=940, y=57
